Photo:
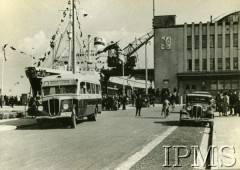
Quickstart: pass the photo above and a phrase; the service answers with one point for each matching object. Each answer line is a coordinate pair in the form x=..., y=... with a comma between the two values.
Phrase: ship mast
x=73, y=39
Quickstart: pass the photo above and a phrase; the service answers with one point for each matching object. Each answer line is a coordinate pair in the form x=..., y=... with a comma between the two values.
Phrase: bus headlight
x=205, y=108
x=65, y=106
x=189, y=108
x=40, y=108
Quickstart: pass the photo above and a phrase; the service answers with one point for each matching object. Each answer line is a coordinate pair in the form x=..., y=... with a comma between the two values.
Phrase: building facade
x=197, y=56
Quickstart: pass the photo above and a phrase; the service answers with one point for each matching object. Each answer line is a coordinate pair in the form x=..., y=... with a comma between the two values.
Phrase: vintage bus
x=70, y=97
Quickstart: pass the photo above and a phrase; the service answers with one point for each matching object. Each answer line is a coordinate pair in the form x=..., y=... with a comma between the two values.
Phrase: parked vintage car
x=199, y=107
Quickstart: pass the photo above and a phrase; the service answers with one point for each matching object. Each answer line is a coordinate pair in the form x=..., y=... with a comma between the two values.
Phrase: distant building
x=197, y=56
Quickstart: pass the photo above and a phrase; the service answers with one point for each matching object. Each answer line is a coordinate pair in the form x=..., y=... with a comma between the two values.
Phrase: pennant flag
x=62, y=20
x=42, y=59
x=84, y=14
x=5, y=46
x=84, y=46
x=22, y=52
x=21, y=76
x=53, y=37
x=4, y=54
x=39, y=63
x=10, y=90
x=48, y=52
x=13, y=48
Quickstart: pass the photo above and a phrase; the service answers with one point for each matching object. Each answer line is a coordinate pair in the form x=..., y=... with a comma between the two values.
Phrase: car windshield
x=67, y=89
x=198, y=99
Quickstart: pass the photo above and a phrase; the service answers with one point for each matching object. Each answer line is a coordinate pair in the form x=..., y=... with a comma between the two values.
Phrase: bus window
x=60, y=90
x=88, y=88
x=97, y=89
x=82, y=88
x=93, y=88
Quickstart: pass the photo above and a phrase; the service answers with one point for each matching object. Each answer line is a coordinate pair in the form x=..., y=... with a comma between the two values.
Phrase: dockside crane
x=116, y=65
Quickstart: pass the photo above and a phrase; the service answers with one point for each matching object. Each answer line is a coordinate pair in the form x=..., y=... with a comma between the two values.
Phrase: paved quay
x=12, y=124
x=226, y=132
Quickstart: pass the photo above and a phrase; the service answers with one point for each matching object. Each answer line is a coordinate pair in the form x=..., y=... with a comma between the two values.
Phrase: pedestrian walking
x=237, y=108
x=139, y=103
x=165, y=108
x=225, y=103
x=219, y=103
x=124, y=100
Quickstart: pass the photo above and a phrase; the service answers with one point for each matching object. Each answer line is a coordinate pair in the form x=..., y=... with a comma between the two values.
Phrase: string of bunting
x=17, y=83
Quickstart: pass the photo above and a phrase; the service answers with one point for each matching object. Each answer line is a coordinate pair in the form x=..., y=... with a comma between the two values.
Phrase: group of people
x=114, y=102
x=228, y=102
x=10, y=100
x=167, y=99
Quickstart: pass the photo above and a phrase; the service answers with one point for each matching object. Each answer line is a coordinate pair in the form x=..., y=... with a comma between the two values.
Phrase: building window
x=220, y=84
x=219, y=41
x=187, y=87
x=189, y=65
x=212, y=63
x=193, y=87
x=189, y=42
x=213, y=85
x=227, y=84
x=227, y=60
x=196, y=42
x=227, y=40
x=219, y=63
x=235, y=63
x=204, y=64
x=212, y=42
x=235, y=40
x=197, y=64
x=234, y=84
x=204, y=41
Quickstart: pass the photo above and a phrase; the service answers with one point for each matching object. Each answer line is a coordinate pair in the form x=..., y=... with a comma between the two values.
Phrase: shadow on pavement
x=56, y=125
x=143, y=117
x=168, y=123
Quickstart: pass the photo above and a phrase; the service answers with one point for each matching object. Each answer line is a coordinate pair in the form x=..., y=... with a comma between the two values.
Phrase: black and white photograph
x=119, y=84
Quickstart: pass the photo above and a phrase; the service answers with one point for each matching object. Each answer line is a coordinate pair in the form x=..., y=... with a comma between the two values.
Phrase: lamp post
x=123, y=78
x=146, y=66
x=2, y=74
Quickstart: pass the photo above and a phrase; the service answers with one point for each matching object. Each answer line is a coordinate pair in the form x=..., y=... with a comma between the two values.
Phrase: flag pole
x=2, y=71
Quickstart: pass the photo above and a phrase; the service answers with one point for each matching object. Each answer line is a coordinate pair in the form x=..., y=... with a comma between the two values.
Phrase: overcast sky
x=29, y=25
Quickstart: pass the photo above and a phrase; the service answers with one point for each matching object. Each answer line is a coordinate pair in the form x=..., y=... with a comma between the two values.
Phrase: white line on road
x=145, y=150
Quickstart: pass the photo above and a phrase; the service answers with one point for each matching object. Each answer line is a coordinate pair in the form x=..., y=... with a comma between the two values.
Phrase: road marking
x=203, y=147
x=132, y=160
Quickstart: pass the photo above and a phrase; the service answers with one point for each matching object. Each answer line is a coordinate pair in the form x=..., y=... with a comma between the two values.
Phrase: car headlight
x=189, y=108
x=65, y=106
x=40, y=108
x=205, y=108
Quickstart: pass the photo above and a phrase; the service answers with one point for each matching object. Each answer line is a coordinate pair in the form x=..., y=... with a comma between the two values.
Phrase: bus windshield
x=64, y=89
x=198, y=99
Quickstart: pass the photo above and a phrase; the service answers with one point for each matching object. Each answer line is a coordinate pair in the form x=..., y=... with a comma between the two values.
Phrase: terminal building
x=197, y=56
